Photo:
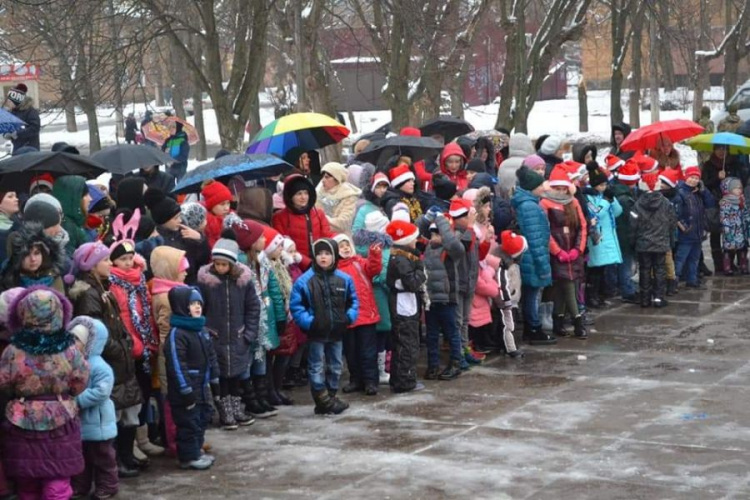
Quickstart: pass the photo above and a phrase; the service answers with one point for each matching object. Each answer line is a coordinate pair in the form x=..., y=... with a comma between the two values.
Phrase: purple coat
x=42, y=454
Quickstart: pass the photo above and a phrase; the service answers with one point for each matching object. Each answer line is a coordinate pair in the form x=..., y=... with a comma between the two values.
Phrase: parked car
x=742, y=99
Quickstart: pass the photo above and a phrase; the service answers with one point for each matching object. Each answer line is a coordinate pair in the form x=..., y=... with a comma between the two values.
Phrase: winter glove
x=432, y=213
x=609, y=194
x=563, y=256
x=574, y=254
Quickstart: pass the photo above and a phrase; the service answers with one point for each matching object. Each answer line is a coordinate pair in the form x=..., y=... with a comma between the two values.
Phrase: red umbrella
x=646, y=137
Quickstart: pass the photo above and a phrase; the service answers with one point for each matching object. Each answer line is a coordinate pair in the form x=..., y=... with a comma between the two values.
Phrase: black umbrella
x=447, y=126
x=124, y=158
x=16, y=172
x=248, y=166
x=416, y=148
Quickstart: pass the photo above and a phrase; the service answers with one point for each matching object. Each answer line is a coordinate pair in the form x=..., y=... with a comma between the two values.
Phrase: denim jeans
x=625, y=270
x=686, y=260
x=463, y=310
x=530, y=299
x=257, y=367
x=442, y=316
x=361, y=352
x=324, y=365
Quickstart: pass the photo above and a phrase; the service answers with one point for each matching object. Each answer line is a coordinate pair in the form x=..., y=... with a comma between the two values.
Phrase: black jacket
x=405, y=278
x=653, y=222
x=198, y=252
x=29, y=135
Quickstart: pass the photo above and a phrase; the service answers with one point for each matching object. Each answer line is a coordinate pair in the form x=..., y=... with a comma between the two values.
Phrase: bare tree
x=636, y=61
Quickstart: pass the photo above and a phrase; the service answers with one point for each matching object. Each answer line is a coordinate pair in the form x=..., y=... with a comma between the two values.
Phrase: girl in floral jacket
x=735, y=225
x=42, y=372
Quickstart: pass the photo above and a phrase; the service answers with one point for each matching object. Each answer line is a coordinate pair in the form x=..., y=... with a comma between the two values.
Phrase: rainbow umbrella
x=298, y=131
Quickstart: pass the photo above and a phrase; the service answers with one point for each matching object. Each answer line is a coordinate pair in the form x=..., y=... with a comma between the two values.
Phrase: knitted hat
x=470, y=194
x=335, y=170
x=162, y=207
x=613, y=162
x=343, y=237
x=629, y=174
x=43, y=208
x=513, y=244
x=376, y=221
x=443, y=187
x=528, y=180
x=40, y=309
x=120, y=248
x=195, y=295
x=193, y=214
x=274, y=240
x=596, y=176
x=215, y=193
x=326, y=245
x=551, y=145
x=400, y=211
x=6, y=299
x=476, y=165
x=670, y=177
x=691, y=171
x=17, y=93
x=649, y=182
x=728, y=184
x=130, y=193
x=559, y=177
x=42, y=180
x=533, y=161
x=402, y=233
x=225, y=249
x=379, y=178
x=400, y=175
x=86, y=257
x=247, y=232
x=460, y=208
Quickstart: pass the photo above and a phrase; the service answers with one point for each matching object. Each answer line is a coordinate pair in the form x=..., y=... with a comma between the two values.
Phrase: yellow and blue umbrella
x=736, y=143
x=298, y=131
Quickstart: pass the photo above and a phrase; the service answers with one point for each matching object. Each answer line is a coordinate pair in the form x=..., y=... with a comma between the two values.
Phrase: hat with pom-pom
x=247, y=232
x=402, y=233
x=225, y=249
x=162, y=207
x=513, y=244
x=85, y=258
x=215, y=193
x=400, y=175
x=596, y=176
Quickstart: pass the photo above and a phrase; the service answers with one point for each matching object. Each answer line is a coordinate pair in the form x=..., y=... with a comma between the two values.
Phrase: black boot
x=452, y=371
x=338, y=405
x=126, y=463
x=432, y=373
x=323, y=402
x=671, y=288
x=704, y=270
x=261, y=391
x=538, y=337
x=558, y=326
x=252, y=405
x=353, y=386
x=279, y=370
x=580, y=329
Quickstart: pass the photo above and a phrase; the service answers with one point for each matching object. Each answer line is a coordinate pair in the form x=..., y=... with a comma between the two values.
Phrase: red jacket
x=362, y=271
x=460, y=178
x=214, y=225
x=295, y=226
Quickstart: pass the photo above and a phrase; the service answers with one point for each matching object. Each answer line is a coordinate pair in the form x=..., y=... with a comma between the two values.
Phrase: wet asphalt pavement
x=655, y=405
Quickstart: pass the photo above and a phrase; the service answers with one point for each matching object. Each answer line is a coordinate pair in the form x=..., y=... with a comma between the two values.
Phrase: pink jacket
x=486, y=290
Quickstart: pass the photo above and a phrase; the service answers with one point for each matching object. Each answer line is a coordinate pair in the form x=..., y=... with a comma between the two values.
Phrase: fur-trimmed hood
x=22, y=241
x=240, y=273
x=15, y=320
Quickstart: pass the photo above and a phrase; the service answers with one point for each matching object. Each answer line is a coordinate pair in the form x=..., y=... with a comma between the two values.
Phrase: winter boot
x=432, y=373
x=338, y=405
x=727, y=263
x=558, y=329
x=384, y=377
x=252, y=405
x=703, y=269
x=371, y=389
x=545, y=314
x=580, y=329
x=261, y=390
x=323, y=402
x=671, y=288
x=146, y=446
x=452, y=371
x=742, y=258
x=658, y=302
x=538, y=337
x=278, y=372
x=226, y=413
x=353, y=386
x=238, y=409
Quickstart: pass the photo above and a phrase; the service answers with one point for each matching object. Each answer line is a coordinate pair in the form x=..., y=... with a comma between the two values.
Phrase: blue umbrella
x=248, y=166
x=9, y=123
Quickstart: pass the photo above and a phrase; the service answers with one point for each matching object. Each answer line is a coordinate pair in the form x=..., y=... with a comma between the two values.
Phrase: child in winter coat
x=324, y=303
x=735, y=223
x=406, y=279
x=41, y=373
x=653, y=221
x=508, y=279
x=691, y=203
x=669, y=180
x=441, y=258
x=191, y=368
x=6, y=298
x=216, y=198
x=98, y=419
x=231, y=308
x=360, y=341
x=566, y=244
x=481, y=330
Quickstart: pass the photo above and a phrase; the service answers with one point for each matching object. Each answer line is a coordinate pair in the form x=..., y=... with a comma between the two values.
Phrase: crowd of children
x=123, y=332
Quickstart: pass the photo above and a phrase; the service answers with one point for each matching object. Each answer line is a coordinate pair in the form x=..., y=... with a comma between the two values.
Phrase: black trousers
x=652, y=278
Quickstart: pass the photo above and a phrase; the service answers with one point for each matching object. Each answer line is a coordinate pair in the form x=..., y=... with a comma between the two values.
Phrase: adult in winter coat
x=73, y=194
x=155, y=178
x=337, y=198
x=486, y=153
x=453, y=165
x=536, y=272
x=131, y=127
x=583, y=153
x=41, y=373
x=732, y=122
x=255, y=203
x=22, y=107
x=301, y=220
x=178, y=147
x=619, y=132
x=519, y=147
x=35, y=259
x=691, y=203
x=551, y=151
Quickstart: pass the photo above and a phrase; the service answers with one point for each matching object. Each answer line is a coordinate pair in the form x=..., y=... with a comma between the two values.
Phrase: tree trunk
x=583, y=108
x=636, y=81
x=520, y=116
x=700, y=63
x=731, y=77
x=619, y=18
x=508, y=83
x=253, y=120
x=94, y=142
x=616, y=96
x=653, y=72
x=202, y=152
x=70, y=117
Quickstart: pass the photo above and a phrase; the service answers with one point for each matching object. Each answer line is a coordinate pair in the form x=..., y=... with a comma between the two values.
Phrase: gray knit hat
x=43, y=208
x=225, y=249
x=193, y=215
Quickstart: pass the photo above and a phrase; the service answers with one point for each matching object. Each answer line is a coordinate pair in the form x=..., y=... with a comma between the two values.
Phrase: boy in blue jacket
x=98, y=417
x=192, y=367
x=323, y=304
x=691, y=203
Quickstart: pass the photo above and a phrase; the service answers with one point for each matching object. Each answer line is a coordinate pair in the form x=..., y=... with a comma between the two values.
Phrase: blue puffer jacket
x=98, y=418
x=607, y=250
x=534, y=226
x=691, y=208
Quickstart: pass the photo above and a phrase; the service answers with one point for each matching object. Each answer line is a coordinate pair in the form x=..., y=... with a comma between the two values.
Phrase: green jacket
x=626, y=196
x=69, y=190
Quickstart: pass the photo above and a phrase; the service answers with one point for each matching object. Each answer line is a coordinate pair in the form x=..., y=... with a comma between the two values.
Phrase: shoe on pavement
x=202, y=463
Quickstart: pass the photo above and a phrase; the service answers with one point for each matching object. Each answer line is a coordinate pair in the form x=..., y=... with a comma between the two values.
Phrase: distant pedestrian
x=131, y=127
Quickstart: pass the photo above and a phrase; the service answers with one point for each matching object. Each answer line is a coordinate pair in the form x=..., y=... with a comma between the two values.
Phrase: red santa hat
x=45, y=180
x=692, y=171
x=647, y=164
x=274, y=240
x=649, y=182
x=613, y=162
x=629, y=174
x=460, y=208
x=513, y=244
x=670, y=177
x=575, y=170
x=379, y=178
x=560, y=177
x=400, y=175
x=402, y=233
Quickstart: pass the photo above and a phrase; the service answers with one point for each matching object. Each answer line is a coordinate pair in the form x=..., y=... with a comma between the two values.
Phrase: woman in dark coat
x=131, y=127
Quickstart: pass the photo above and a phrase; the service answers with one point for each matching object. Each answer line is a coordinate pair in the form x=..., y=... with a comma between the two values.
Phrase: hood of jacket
x=239, y=272
x=452, y=149
x=292, y=185
x=165, y=262
x=255, y=203
x=340, y=192
x=22, y=241
x=482, y=180
x=651, y=201
x=69, y=189
x=520, y=196
x=520, y=146
x=622, y=127
x=97, y=334
x=580, y=150
x=179, y=300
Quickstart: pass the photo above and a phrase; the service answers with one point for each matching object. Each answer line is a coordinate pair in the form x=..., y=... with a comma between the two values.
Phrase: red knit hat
x=649, y=182
x=629, y=174
x=691, y=171
x=513, y=244
x=400, y=175
x=214, y=193
x=411, y=132
x=613, y=162
x=402, y=233
x=273, y=239
x=247, y=233
x=560, y=177
x=671, y=177
x=460, y=208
